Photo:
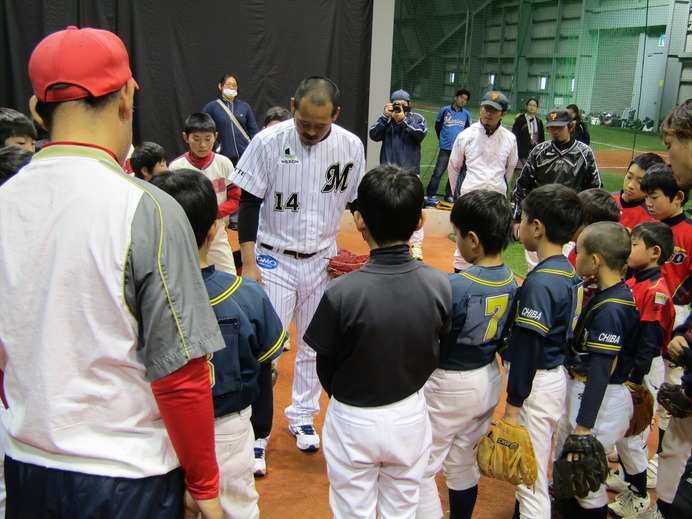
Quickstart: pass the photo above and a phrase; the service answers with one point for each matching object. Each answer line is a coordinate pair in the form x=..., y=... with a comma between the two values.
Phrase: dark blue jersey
x=548, y=303
x=608, y=326
x=253, y=334
x=482, y=299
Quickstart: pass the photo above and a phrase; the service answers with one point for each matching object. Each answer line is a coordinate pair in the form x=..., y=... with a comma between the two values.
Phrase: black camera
x=396, y=108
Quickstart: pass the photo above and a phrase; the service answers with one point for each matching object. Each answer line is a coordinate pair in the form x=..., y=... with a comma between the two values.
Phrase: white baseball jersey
x=220, y=252
x=305, y=188
x=489, y=159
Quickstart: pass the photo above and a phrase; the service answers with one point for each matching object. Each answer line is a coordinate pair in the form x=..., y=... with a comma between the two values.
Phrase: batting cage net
x=624, y=63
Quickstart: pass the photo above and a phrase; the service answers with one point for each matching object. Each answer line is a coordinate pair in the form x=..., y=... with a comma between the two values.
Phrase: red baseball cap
x=88, y=62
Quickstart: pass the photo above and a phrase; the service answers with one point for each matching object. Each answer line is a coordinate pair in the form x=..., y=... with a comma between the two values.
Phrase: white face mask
x=229, y=92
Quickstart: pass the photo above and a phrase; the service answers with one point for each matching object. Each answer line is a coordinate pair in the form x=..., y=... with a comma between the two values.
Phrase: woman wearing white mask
x=234, y=120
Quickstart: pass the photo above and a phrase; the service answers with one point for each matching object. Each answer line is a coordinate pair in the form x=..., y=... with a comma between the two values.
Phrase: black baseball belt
x=292, y=253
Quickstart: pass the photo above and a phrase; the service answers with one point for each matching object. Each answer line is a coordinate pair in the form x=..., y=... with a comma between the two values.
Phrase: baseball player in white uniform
x=297, y=177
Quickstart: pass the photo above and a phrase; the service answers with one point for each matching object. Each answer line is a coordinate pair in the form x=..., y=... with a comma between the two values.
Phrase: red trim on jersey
x=200, y=163
x=85, y=144
x=185, y=403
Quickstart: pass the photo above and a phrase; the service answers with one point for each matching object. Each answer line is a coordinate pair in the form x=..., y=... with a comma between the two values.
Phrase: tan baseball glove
x=643, y=402
x=506, y=453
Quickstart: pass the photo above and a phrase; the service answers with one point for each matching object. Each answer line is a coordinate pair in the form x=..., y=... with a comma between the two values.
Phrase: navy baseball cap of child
x=558, y=117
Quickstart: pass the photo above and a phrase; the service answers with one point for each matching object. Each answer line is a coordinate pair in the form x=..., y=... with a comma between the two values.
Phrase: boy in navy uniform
x=253, y=334
x=652, y=244
x=602, y=354
x=482, y=296
x=547, y=308
x=375, y=352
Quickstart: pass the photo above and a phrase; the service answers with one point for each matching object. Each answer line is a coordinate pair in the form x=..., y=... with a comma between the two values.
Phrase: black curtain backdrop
x=180, y=49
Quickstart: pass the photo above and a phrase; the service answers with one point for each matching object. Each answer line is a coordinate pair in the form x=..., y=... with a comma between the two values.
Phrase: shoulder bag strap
x=233, y=119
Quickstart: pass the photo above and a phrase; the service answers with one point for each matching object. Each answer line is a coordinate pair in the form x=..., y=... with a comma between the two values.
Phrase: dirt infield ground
x=617, y=161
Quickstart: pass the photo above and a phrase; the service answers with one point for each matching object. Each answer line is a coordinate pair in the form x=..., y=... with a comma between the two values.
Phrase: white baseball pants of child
x=540, y=414
x=235, y=455
x=677, y=445
x=612, y=422
x=460, y=405
x=376, y=457
x=633, y=450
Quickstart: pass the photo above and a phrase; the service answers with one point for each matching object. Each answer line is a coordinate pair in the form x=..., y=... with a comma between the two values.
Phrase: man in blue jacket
x=401, y=131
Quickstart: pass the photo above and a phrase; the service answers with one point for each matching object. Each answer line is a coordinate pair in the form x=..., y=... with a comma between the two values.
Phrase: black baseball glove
x=673, y=400
x=586, y=472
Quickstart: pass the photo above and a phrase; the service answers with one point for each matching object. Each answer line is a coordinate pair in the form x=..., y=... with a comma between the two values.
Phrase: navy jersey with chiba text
x=482, y=300
x=548, y=303
x=608, y=326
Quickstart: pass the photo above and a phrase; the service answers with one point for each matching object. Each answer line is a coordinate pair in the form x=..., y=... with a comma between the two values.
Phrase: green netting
x=625, y=63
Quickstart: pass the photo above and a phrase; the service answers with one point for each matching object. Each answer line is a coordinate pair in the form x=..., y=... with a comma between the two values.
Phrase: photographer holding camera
x=401, y=131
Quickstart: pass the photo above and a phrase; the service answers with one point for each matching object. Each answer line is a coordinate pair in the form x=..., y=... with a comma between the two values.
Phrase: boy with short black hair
x=148, y=159
x=12, y=159
x=482, y=296
x=253, y=333
x=200, y=134
x=631, y=198
x=375, y=352
x=16, y=129
x=601, y=355
x=546, y=309
x=652, y=244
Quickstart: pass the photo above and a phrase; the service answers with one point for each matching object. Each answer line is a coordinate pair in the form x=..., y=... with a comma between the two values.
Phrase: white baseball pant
x=633, y=450
x=295, y=287
x=677, y=445
x=612, y=422
x=460, y=406
x=376, y=457
x=235, y=455
x=540, y=414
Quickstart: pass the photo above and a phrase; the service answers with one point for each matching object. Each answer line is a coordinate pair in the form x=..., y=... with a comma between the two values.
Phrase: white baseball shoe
x=629, y=504
x=417, y=252
x=652, y=472
x=260, y=469
x=613, y=456
x=615, y=483
x=649, y=513
x=307, y=438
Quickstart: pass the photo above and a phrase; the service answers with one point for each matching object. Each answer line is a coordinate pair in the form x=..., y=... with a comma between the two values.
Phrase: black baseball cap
x=558, y=117
x=496, y=99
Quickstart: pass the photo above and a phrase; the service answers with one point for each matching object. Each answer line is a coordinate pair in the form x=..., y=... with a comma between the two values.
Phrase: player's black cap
x=558, y=117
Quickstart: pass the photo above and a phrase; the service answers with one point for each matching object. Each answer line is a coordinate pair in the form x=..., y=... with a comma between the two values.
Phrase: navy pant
x=39, y=492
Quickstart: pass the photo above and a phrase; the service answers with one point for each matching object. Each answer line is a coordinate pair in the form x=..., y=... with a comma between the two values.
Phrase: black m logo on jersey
x=336, y=179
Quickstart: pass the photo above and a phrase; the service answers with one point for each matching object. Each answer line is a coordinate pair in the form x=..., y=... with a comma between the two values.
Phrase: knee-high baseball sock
x=461, y=502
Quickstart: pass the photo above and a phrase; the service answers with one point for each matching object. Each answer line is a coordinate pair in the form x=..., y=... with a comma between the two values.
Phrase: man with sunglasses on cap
x=489, y=152
x=561, y=160
x=105, y=323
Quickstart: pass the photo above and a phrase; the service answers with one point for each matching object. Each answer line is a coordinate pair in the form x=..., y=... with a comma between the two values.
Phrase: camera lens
x=397, y=108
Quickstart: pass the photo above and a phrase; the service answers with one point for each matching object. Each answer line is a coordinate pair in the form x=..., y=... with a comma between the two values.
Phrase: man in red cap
x=104, y=319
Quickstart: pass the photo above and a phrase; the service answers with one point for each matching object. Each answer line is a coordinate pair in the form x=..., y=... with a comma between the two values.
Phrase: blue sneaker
x=432, y=201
